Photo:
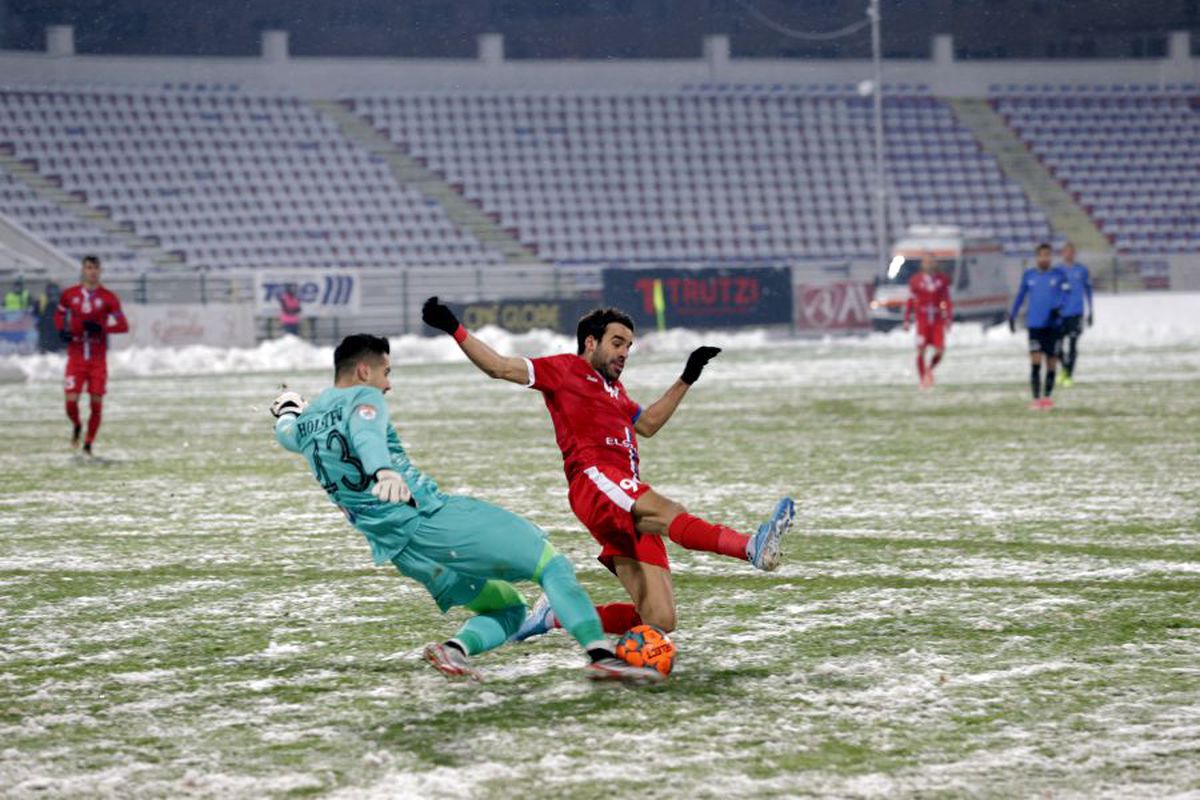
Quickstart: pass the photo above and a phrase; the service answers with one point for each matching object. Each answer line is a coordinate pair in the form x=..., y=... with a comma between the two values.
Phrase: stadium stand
x=1129, y=153
x=704, y=172
x=709, y=172
x=64, y=229
x=228, y=179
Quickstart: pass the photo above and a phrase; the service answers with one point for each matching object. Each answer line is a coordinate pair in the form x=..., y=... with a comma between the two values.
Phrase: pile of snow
x=1141, y=320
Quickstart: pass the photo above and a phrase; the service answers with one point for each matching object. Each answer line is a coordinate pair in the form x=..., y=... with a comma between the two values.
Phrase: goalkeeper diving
x=463, y=551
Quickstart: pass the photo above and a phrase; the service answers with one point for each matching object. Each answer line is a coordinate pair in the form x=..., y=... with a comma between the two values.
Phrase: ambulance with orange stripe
x=973, y=262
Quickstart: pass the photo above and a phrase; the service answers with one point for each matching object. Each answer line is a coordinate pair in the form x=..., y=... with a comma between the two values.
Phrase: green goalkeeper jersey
x=346, y=437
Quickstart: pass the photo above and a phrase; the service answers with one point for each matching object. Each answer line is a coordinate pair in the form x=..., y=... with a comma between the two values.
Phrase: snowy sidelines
x=1138, y=320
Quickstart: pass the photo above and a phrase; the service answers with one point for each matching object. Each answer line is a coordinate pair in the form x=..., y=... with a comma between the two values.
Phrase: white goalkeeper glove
x=288, y=403
x=390, y=487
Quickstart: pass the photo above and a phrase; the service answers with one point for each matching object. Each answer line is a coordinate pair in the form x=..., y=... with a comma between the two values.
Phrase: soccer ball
x=647, y=646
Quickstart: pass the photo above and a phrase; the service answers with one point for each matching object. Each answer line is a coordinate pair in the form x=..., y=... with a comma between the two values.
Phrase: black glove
x=1089, y=319
x=1012, y=324
x=1055, y=317
x=65, y=335
x=695, y=364
x=92, y=327
x=437, y=315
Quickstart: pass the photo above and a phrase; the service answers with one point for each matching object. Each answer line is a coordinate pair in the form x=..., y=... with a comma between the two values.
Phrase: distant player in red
x=929, y=300
x=87, y=313
x=597, y=425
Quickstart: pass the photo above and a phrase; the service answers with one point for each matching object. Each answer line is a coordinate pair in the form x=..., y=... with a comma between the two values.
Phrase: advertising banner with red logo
x=179, y=325
x=702, y=298
x=834, y=307
x=18, y=333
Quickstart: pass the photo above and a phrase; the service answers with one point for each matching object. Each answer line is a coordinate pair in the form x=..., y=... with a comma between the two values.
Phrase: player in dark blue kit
x=1046, y=288
x=1079, y=286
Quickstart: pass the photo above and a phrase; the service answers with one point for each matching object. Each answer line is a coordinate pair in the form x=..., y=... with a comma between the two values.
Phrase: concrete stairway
x=123, y=233
x=460, y=211
x=1066, y=216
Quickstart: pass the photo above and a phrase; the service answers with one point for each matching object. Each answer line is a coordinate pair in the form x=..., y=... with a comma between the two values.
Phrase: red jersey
x=929, y=297
x=79, y=305
x=593, y=419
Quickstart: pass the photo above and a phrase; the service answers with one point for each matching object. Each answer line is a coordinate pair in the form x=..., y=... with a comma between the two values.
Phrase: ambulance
x=974, y=263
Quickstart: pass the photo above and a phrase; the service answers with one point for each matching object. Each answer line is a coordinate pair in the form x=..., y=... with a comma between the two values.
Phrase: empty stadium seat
x=229, y=179
x=1130, y=154
x=769, y=170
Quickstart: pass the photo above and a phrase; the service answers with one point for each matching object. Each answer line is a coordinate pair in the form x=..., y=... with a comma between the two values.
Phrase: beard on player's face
x=609, y=362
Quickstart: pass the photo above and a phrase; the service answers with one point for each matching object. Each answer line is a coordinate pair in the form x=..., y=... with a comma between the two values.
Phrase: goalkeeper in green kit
x=463, y=550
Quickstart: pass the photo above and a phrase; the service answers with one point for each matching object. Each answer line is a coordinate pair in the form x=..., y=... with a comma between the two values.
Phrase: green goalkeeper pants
x=467, y=553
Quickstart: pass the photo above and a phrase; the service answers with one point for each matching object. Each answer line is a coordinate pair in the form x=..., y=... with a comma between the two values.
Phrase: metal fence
x=391, y=298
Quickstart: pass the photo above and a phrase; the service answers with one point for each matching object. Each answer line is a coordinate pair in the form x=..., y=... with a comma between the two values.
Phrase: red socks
x=618, y=617
x=694, y=533
x=685, y=531
x=93, y=418
x=93, y=421
x=73, y=411
x=614, y=617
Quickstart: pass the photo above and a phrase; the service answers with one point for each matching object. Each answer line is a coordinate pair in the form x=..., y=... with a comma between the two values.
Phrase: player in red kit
x=929, y=300
x=87, y=313
x=597, y=425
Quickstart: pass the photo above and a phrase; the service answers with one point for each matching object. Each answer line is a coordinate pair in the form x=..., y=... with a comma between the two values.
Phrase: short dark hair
x=596, y=322
x=1043, y=246
x=94, y=259
x=356, y=347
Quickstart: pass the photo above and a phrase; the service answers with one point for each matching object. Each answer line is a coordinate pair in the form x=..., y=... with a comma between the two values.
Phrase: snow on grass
x=977, y=600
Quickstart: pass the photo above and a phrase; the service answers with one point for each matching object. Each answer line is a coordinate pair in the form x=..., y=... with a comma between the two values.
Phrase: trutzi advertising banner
x=702, y=298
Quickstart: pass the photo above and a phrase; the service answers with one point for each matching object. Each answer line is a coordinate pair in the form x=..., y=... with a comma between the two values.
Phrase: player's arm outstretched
x=657, y=413
x=286, y=407
x=368, y=436
x=509, y=368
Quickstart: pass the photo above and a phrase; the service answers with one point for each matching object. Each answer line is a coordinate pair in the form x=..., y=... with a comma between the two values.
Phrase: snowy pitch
x=977, y=599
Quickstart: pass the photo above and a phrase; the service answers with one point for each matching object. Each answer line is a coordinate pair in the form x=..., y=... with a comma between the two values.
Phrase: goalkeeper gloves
x=92, y=327
x=438, y=315
x=695, y=363
x=390, y=487
x=288, y=402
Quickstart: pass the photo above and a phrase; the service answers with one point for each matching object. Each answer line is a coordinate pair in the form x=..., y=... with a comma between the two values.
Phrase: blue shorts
x=466, y=543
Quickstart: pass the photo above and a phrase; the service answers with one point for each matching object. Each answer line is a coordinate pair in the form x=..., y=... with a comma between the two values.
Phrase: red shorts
x=90, y=374
x=932, y=334
x=603, y=497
